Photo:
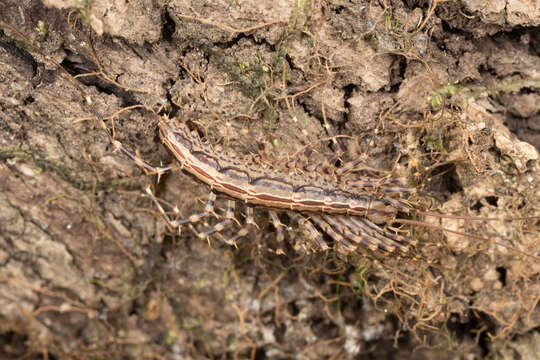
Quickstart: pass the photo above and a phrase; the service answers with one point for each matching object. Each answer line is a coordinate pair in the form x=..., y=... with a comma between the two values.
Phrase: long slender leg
x=119, y=147
x=208, y=209
x=397, y=204
x=229, y=216
x=381, y=181
x=279, y=230
x=327, y=228
x=383, y=242
x=365, y=240
x=250, y=222
x=313, y=232
x=369, y=234
x=350, y=165
x=382, y=185
x=137, y=160
x=389, y=234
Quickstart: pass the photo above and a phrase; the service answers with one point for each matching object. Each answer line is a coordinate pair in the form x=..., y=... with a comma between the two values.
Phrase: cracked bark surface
x=87, y=266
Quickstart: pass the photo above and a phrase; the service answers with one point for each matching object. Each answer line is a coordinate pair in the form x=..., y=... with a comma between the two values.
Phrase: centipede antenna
x=472, y=236
x=475, y=218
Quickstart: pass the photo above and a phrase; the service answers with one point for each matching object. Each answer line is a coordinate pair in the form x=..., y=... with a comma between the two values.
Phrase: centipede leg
x=280, y=237
x=313, y=232
x=229, y=217
x=365, y=240
x=250, y=223
x=397, y=204
x=382, y=241
x=395, y=237
x=350, y=165
x=383, y=185
x=367, y=181
x=208, y=209
x=195, y=138
x=149, y=169
x=327, y=228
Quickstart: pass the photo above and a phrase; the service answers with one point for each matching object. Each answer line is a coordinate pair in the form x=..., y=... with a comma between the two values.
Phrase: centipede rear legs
x=313, y=232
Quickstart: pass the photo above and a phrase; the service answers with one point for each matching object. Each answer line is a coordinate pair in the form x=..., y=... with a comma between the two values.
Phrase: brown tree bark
x=88, y=268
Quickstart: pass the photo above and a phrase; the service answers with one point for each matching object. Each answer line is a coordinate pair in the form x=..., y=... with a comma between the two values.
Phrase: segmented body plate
x=326, y=193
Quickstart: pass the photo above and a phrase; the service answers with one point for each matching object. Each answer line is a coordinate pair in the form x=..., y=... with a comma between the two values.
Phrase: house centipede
x=347, y=207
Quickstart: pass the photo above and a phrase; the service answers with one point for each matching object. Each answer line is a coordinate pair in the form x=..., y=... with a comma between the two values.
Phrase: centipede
x=347, y=207
x=351, y=209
